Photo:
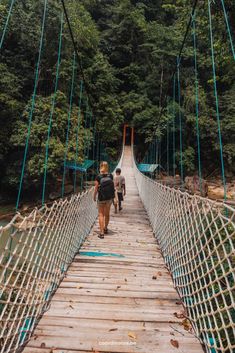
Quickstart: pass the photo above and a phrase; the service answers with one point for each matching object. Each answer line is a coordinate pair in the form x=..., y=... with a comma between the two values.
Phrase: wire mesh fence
x=197, y=239
x=35, y=253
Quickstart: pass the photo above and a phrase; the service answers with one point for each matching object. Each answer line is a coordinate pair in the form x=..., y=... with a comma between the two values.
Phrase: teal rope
x=167, y=141
x=32, y=104
x=52, y=108
x=77, y=133
x=197, y=102
x=69, y=121
x=94, y=144
x=180, y=124
x=228, y=29
x=6, y=23
x=173, y=142
x=217, y=102
x=84, y=141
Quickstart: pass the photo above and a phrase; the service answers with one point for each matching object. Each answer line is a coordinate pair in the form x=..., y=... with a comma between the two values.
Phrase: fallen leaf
x=132, y=335
x=113, y=329
x=159, y=273
x=79, y=287
x=125, y=280
x=71, y=306
x=180, y=315
x=43, y=345
x=175, y=343
x=187, y=324
x=154, y=277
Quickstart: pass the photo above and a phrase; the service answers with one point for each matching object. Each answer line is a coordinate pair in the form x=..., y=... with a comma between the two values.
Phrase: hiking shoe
x=106, y=231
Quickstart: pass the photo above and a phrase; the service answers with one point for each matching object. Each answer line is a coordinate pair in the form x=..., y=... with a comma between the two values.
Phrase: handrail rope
x=32, y=103
x=197, y=99
x=69, y=121
x=6, y=23
x=52, y=106
x=216, y=100
x=77, y=133
x=228, y=29
x=180, y=123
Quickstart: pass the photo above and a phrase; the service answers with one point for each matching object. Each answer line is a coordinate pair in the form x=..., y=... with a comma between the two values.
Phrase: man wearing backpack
x=104, y=187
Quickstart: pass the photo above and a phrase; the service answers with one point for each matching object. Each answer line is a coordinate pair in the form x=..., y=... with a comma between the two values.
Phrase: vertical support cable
x=69, y=121
x=217, y=101
x=167, y=140
x=77, y=134
x=173, y=142
x=197, y=100
x=32, y=103
x=180, y=123
x=6, y=23
x=228, y=29
x=52, y=107
x=94, y=144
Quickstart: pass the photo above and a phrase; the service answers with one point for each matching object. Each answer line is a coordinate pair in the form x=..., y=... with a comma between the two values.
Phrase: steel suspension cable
x=69, y=121
x=216, y=100
x=197, y=100
x=6, y=23
x=52, y=107
x=32, y=103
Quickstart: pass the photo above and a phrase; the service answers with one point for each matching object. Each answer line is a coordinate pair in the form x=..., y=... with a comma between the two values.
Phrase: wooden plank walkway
x=122, y=302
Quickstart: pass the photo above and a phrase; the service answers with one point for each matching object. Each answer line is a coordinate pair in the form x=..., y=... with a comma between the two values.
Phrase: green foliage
x=128, y=53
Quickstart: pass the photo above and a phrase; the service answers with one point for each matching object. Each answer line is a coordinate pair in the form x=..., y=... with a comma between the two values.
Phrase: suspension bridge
x=161, y=280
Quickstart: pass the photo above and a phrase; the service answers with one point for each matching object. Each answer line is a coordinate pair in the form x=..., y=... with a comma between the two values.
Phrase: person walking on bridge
x=104, y=187
x=120, y=188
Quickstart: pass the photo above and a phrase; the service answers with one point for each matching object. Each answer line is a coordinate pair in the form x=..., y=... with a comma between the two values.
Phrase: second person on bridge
x=104, y=187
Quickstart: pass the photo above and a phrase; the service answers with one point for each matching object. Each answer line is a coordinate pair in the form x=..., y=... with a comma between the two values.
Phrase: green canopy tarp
x=148, y=168
x=80, y=167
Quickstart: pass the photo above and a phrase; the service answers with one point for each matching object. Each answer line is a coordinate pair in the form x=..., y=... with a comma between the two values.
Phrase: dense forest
x=128, y=51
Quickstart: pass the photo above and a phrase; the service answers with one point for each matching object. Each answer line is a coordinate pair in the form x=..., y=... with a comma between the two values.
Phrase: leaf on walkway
x=113, y=329
x=175, y=343
x=180, y=315
x=154, y=277
x=71, y=306
x=159, y=273
x=187, y=324
x=178, y=303
x=43, y=345
x=125, y=280
x=132, y=335
x=79, y=287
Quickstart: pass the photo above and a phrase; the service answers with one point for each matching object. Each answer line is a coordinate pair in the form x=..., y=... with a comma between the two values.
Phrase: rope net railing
x=197, y=240
x=36, y=252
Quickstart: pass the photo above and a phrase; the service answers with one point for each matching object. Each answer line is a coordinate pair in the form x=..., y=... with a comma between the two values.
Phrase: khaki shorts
x=106, y=202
